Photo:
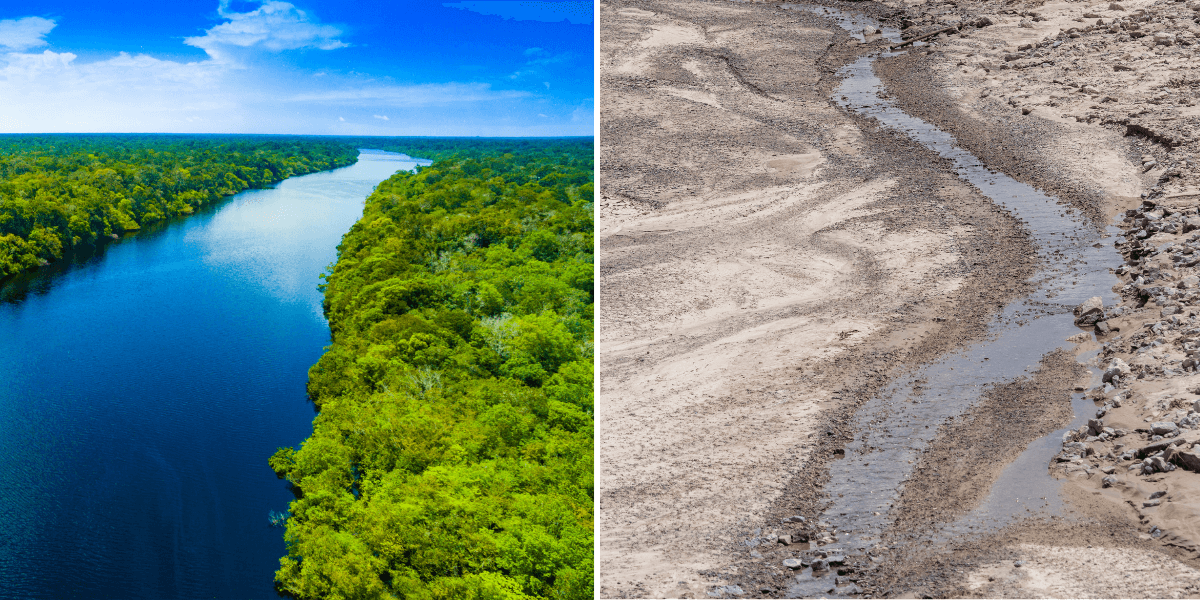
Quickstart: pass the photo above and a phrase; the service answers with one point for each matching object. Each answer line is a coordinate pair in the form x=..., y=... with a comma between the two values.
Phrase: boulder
x=792, y=563
x=1102, y=328
x=1188, y=459
x=1117, y=368
x=1163, y=427
x=1090, y=312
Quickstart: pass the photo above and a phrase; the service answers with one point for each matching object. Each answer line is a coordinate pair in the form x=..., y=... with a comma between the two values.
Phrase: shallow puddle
x=892, y=429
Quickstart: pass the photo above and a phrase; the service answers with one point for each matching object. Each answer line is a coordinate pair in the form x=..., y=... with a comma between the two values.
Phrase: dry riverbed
x=770, y=261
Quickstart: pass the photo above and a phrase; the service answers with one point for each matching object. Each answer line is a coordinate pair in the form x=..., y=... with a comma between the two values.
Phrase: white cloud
x=341, y=120
x=274, y=26
x=22, y=34
x=382, y=117
x=410, y=95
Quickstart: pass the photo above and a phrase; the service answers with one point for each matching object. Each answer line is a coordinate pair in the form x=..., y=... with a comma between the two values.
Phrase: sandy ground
x=758, y=256
x=768, y=261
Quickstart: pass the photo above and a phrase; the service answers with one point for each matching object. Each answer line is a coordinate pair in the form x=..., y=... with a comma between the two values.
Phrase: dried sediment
x=766, y=262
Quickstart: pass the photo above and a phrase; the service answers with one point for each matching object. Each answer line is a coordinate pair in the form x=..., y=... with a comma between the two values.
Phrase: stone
x=1158, y=494
x=820, y=564
x=1163, y=427
x=1188, y=459
x=1151, y=503
x=785, y=539
x=1108, y=481
x=1090, y=312
x=1117, y=368
x=1115, y=6
x=1158, y=464
x=1108, y=469
x=732, y=590
x=1095, y=426
x=848, y=589
x=1102, y=328
x=792, y=563
x=794, y=519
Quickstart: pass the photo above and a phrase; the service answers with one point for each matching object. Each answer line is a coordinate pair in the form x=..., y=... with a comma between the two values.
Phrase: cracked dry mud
x=826, y=339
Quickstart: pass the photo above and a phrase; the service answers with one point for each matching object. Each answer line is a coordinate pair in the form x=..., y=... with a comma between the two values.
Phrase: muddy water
x=893, y=428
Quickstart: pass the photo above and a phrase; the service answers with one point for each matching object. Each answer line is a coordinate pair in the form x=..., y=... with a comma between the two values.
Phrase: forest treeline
x=60, y=191
x=452, y=453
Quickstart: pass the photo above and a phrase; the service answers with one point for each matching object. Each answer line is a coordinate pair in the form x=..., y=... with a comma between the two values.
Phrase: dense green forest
x=60, y=191
x=452, y=453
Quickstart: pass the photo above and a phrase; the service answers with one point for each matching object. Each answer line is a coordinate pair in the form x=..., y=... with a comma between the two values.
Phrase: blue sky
x=488, y=68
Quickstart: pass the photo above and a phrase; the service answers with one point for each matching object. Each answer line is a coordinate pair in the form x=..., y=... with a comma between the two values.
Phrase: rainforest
x=452, y=453
x=60, y=191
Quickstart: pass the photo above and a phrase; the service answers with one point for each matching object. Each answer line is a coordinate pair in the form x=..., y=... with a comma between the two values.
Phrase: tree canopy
x=452, y=453
x=60, y=191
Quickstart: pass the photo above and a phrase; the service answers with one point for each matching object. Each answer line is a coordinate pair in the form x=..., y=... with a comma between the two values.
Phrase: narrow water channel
x=143, y=387
x=893, y=428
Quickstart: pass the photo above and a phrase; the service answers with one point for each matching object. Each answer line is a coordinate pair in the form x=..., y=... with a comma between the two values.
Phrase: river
x=144, y=386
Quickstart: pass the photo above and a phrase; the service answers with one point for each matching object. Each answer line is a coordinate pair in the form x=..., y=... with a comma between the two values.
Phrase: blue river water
x=143, y=387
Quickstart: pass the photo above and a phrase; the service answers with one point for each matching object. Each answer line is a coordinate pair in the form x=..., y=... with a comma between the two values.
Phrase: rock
x=785, y=539
x=1191, y=224
x=1090, y=311
x=1169, y=310
x=1163, y=427
x=1102, y=328
x=1117, y=368
x=1019, y=563
x=1189, y=460
x=848, y=589
x=1158, y=494
x=794, y=519
x=1115, y=6
x=792, y=563
x=1108, y=469
x=1158, y=464
x=820, y=564
x=1151, y=503
x=732, y=590
x=1095, y=426
x=1108, y=481
x=1090, y=89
